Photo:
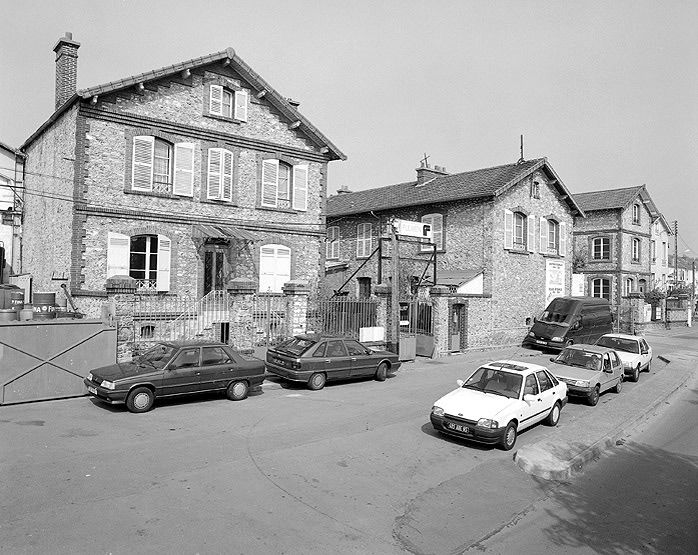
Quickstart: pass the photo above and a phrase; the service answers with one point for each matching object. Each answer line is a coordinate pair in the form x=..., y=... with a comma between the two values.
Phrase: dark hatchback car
x=175, y=368
x=315, y=359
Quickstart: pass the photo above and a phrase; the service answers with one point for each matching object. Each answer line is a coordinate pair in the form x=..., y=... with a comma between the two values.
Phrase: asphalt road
x=353, y=468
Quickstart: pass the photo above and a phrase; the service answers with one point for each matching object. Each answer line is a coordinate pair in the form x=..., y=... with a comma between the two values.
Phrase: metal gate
x=49, y=359
x=416, y=319
x=342, y=316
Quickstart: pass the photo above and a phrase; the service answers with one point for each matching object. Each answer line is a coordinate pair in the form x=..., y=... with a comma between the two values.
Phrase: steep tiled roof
x=486, y=182
x=609, y=199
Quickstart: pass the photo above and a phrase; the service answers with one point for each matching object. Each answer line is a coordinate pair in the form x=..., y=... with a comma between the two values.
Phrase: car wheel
x=140, y=399
x=382, y=372
x=554, y=416
x=237, y=391
x=636, y=373
x=594, y=396
x=509, y=437
x=569, y=342
x=317, y=381
x=619, y=385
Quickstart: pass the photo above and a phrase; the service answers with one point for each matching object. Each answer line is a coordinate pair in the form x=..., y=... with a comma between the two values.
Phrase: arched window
x=636, y=249
x=519, y=230
x=628, y=286
x=601, y=287
x=159, y=166
x=636, y=213
x=274, y=268
x=145, y=258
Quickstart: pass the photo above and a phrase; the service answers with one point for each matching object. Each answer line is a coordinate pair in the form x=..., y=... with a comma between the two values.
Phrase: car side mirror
x=608, y=370
x=529, y=398
x=460, y=383
x=644, y=351
x=552, y=359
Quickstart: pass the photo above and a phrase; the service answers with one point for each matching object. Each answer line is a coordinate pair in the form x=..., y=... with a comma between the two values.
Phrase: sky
x=607, y=91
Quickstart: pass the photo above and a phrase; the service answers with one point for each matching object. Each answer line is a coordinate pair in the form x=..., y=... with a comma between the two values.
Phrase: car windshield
x=497, y=381
x=558, y=312
x=157, y=356
x=620, y=344
x=296, y=346
x=580, y=359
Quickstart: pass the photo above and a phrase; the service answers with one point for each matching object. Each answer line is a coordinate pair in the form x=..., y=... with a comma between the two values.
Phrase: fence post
x=637, y=304
x=242, y=328
x=383, y=310
x=296, y=294
x=121, y=295
x=439, y=311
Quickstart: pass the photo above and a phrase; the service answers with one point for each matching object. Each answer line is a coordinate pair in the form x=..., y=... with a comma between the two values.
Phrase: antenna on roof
x=522, y=156
x=425, y=161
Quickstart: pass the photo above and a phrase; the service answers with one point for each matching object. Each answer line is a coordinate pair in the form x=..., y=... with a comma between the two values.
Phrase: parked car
x=316, y=359
x=634, y=351
x=588, y=371
x=570, y=320
x=175, y=368
x=499, y=400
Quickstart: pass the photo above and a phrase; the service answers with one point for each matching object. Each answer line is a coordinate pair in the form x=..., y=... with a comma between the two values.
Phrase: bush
x=655, y=296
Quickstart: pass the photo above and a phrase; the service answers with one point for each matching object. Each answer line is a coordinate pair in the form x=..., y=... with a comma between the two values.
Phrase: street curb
x=593, y=451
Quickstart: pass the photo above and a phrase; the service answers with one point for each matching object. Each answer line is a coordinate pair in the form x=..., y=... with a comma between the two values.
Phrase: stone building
x=613, y=243
x=182, y=178
x=660, y=245
x=11, y=163
x=502, y=236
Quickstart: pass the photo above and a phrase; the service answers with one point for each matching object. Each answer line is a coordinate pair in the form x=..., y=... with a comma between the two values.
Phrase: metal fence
x=342, y=316
x=269, y=319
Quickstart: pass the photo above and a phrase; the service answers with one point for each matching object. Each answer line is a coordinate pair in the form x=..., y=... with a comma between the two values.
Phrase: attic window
x=227, y=103
x=535, y=189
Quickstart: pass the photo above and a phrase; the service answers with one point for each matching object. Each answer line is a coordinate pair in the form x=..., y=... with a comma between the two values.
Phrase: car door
x=607, y=378
x=182, y=373
x=646, y=352
x=216, y=368
x=531, y=411
x=548, y=393
x=337, y=360
x=617, y=366
x=362, y=363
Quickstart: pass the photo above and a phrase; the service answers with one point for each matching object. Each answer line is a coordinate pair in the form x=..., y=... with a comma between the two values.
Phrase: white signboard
x=554, y=280
x=413, y=229
x=577, y=285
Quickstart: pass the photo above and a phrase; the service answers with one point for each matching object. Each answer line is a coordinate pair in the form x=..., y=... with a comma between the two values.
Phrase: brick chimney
x=425, y=172
x=66, y=50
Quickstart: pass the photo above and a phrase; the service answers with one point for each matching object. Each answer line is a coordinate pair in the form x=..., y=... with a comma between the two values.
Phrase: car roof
x=622, y=336
x=319, y=336
x=589, y=348
x=178, y=343
x=514, y=366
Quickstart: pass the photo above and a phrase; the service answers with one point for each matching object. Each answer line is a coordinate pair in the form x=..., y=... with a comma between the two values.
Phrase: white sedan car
x=499, y=400
x=634, y=351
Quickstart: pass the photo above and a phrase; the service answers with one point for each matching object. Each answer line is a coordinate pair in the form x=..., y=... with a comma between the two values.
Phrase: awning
x=209, y=231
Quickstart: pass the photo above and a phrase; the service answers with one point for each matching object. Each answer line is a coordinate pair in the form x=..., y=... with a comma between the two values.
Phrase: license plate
x=540, y=342
x=457, y=427
x=92, y=390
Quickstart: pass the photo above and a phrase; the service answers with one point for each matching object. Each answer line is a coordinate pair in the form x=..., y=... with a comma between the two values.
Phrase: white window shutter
x=562, y=239
x=183, y=169
x=215, y=104
x=543, y=247
x=274, y=268
x=164, y=258
x=437, y=229
x=270, y=182
x=531, y=229
x=241, y=105
x=118, y=253
x=283, y=268
x=508, y=229
x=214, y=173
x=142, y=171
x=227, y=175
x=300, y=187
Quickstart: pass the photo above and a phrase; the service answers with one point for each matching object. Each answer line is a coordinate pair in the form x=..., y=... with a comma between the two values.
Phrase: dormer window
x=227, y=103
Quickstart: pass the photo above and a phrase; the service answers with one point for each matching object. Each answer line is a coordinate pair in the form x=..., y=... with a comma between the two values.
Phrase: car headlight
x=558, y=339
x=487, y=423
x=531, y=334
x=89, y=377
x=582, y=383
x=437, y=411
x=108, y=385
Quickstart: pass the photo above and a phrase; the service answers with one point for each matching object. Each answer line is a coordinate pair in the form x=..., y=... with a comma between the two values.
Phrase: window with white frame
x=332, y=246
x=636, y=250
x=158, y=166
x=636, y=213
x=274, y=268
x=364, y=240
x=628, y=286
x=601, y=287
x=436, y=221
x=227, y=103
x=219, y=176
x=519, y=231
x=146, y=258
x=284, y=185
x=601, y=248
x=653, y=249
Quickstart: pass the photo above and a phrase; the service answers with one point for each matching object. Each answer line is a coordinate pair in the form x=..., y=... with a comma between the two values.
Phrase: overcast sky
x=607, y=91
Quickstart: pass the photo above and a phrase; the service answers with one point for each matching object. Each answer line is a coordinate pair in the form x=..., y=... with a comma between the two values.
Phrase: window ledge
x=224, y=118
x=518, y=251
x=600, y=261
x=552, y=255
x=219, y=202
x=154, y=194
x=286, y=210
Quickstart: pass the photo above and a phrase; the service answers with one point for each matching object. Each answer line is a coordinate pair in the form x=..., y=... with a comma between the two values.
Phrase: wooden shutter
x=332, y=250
x=118, y=253
x=143, y=151
x=282, y=267
x=531, y=230
x=183, y=169
x=300, y=187
x=508, y=229
x=164, y=257
x=270, y=182
x=241, y=105
x=437, y=230
x=227, y=175
x=562, y=239
x=214, y=173
x=274, y=268
x=543, y=247
x=215, y=104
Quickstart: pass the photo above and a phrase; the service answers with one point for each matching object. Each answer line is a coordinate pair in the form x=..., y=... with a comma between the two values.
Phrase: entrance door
x=213, y=270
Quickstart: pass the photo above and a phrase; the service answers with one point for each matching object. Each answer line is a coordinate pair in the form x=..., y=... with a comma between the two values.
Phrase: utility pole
x=676, y=254
x=395, y=290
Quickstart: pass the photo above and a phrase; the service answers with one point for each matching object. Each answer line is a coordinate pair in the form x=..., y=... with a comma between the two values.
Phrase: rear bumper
x=285, y=373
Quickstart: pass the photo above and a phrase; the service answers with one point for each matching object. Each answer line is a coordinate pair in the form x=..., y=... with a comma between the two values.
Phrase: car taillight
x=296, y=365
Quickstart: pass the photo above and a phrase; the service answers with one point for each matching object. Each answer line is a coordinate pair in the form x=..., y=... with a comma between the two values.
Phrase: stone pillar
x=440, y=297
x=637, y=304
x=296, y=294
x=242, y=329
x=121, y=295
x=383, y=293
